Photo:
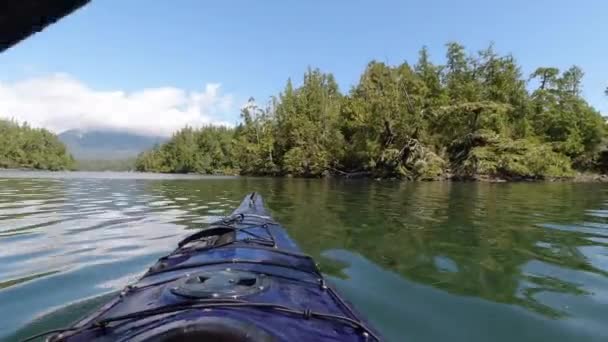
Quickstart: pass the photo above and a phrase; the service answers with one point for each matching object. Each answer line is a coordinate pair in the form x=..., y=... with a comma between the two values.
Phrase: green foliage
x=105, y=164
x=309, y=140
x=207, y=150
x=24, y=147
x=472, y=116
x=564, y=119
x=383, y=121
x=509, y=158
x=255, y=139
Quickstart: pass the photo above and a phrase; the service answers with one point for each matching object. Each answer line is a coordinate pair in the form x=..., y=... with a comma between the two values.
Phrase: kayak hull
x=241, y=279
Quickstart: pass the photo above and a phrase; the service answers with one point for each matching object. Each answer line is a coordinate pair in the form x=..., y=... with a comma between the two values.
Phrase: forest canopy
x=475, y=115
x=22, y=146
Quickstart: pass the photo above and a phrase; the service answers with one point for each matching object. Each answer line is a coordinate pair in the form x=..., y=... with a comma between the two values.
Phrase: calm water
x=424, y=261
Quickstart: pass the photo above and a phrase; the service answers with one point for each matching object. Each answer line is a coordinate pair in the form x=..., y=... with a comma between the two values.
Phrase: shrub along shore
x=474, y=117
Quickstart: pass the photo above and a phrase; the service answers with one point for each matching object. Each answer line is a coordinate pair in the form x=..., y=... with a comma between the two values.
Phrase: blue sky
x=178, y=52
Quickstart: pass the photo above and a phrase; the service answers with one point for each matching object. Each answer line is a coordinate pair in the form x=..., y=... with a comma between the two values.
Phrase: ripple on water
x=597, y=256
x=576, y=229
x=134, y=209
x=11, y=226
x=207, y=219
x=598, y=240
x=216, y=211
x=160, y=203
x=597, y=213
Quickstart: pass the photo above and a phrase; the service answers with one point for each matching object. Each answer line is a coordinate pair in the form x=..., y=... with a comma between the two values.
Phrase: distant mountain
x=106, y=145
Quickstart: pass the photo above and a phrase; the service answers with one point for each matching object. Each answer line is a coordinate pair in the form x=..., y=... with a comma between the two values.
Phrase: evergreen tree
x=472, y=117
x=22, y=146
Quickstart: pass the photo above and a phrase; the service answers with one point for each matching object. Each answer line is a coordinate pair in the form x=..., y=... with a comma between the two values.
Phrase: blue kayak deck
x=285, y=298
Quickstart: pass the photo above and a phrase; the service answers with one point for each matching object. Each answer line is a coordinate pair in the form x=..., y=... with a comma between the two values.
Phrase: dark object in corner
x=21, y=18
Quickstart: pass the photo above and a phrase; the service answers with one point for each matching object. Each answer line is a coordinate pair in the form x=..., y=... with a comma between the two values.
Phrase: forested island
x=22, y=146
x=476, y=116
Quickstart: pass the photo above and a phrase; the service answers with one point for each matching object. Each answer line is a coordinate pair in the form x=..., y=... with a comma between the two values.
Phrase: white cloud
x=60, y=102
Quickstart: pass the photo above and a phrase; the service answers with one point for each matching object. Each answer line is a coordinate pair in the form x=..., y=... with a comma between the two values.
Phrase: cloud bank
x=60, y=102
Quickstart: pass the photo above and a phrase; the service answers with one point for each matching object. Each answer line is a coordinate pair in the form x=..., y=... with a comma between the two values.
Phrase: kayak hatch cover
x=241, y=279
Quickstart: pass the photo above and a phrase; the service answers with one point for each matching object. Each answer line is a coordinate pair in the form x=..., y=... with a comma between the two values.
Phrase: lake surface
x=424, y=261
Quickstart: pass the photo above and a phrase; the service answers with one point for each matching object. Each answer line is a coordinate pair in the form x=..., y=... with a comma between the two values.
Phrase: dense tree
x=384, y=124
x=255, y=138
x=430, y=74
x=22, y=146
x=309, y=140
x=547, y=77
x=563, y=118
x=207, y=150
x=471, y=116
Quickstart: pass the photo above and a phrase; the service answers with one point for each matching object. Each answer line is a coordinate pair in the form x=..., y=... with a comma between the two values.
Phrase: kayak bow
x=241, y=279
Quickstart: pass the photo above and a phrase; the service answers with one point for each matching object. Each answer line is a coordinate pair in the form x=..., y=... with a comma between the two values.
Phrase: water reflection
x=471, y=239
x=460, y=255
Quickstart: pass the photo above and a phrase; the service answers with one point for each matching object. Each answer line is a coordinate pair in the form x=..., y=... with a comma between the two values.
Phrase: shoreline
x=583, y=177
x=578, y=178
